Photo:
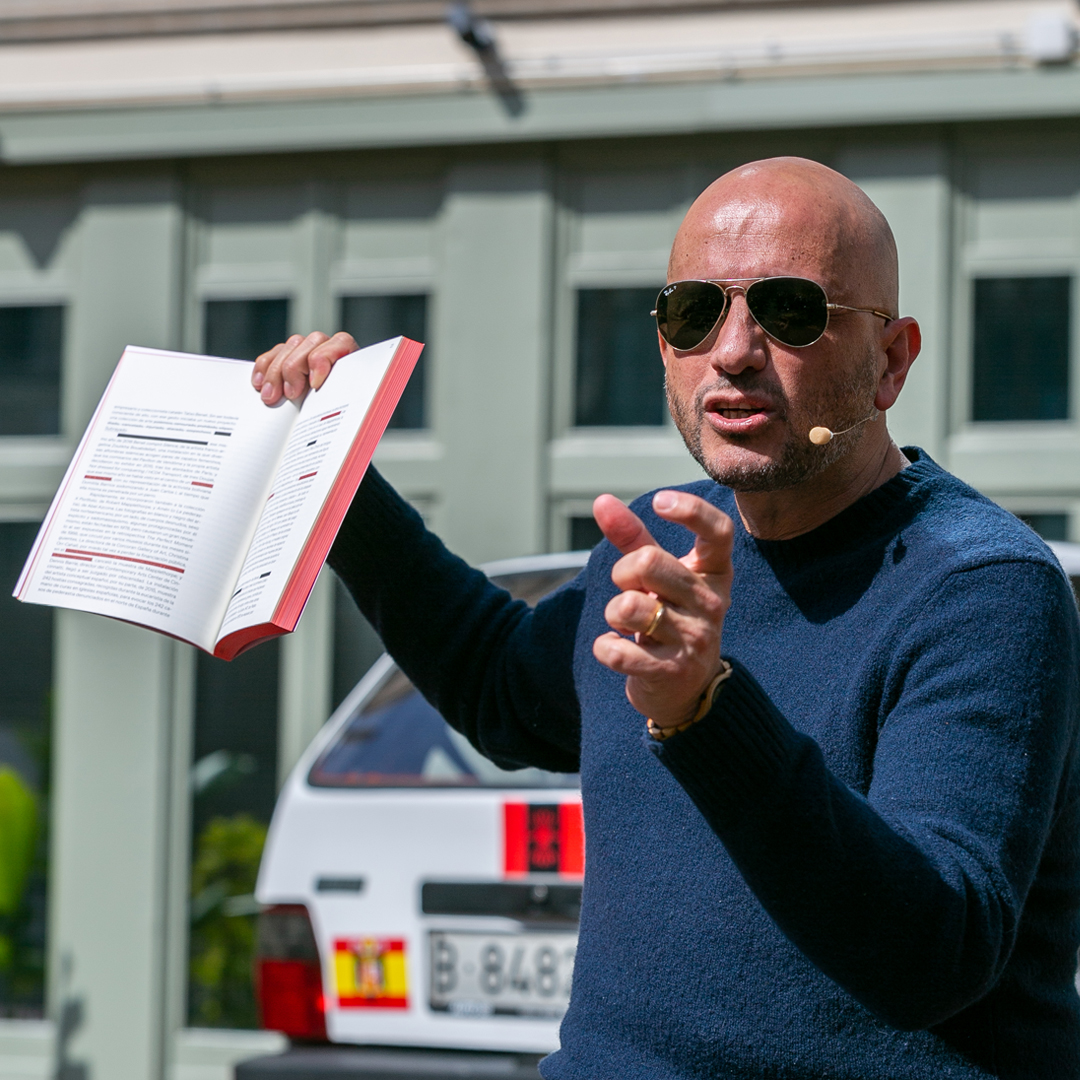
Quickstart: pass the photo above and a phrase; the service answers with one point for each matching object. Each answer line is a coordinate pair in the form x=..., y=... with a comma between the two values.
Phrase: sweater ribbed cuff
x=733, y=756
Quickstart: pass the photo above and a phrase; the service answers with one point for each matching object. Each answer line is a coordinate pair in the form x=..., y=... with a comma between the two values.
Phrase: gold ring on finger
x=654, y=622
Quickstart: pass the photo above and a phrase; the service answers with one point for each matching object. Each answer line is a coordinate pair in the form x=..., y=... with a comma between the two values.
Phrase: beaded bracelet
x=704, y=705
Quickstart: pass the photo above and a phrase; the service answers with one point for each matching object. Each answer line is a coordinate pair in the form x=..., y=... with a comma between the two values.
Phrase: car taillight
x=288, y=976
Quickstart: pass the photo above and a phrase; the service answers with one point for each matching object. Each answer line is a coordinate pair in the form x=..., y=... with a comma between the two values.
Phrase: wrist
x=701, y=710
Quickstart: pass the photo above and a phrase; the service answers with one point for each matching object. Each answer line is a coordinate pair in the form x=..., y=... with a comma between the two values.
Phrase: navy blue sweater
x=865, y=861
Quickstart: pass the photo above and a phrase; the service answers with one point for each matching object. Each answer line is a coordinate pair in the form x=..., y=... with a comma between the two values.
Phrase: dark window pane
x=585, y=534
x=1021, y=369
x=1048, y=526
x=234, y=785
x=397, y=739
x=375, y=318
x=400, y=740
x=620, y=376
x=26, y=632
x=31, y=339
x=243, y=329
x=356, y=645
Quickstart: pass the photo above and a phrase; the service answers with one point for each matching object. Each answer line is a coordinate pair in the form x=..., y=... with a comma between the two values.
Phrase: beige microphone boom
x=819, y=436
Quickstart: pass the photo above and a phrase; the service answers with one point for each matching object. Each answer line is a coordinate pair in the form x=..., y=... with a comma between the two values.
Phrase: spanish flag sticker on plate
x=370, y=973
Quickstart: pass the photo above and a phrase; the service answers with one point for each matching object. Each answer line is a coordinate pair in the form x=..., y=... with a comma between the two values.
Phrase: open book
x=193, y=509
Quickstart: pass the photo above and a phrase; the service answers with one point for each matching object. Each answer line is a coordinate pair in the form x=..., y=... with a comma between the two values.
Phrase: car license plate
x=525, y=974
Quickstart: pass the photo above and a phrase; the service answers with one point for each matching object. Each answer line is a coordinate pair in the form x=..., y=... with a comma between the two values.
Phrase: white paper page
x=314, y=454
x=153, y=519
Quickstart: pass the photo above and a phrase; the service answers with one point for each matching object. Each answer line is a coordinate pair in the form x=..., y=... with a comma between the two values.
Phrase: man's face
x=743, y=402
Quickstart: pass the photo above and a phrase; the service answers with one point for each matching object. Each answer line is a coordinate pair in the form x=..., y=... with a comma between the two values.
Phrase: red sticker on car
x=543, y=838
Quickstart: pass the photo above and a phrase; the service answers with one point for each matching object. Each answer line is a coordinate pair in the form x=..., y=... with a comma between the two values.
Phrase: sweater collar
x=880, y=513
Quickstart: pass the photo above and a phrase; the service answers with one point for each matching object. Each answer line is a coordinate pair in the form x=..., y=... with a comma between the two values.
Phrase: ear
x=901, y=343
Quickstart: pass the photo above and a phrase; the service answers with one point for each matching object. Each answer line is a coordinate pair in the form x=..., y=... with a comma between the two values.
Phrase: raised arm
x=498, y=671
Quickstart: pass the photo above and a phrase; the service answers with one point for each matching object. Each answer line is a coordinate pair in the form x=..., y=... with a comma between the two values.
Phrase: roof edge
x=117, y=19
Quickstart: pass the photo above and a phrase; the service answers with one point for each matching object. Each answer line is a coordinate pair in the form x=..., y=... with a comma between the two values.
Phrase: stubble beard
x=799, y=459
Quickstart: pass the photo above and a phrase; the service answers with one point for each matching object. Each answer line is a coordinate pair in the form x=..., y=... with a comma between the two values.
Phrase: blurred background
x=503, y=184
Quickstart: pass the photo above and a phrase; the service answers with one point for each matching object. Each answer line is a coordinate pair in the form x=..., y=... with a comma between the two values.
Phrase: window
x=30, y=347
x=1021, y=348
x=396, y=739
x=244, y=329
x=26, y=632
x=1048, y=526
x=619, y=377
x=375, y=318
x=585, y=534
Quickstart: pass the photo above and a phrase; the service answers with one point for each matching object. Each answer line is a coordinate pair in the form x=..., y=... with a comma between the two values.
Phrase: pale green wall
x=490, y=405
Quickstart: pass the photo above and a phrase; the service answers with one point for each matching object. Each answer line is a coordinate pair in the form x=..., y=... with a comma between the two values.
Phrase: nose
x=740, y=343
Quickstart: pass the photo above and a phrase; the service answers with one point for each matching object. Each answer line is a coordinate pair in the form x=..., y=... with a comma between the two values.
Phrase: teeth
x=736, y=414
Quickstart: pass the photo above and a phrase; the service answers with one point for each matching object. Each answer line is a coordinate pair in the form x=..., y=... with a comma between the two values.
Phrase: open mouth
x=738, y=421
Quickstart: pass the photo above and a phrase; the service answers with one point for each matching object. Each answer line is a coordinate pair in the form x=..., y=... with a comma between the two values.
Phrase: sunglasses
x=793, y=310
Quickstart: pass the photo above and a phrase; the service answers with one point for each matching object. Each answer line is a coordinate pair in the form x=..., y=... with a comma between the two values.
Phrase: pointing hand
x=668, y=670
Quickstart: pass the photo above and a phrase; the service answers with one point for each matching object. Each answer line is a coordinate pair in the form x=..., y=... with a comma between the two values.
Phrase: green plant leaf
x=18, y=831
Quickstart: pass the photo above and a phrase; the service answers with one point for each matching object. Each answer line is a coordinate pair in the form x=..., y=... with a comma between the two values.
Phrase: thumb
x=621, y=525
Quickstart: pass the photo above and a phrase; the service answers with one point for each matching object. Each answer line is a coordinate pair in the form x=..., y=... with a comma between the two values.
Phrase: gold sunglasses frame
x=735, y=286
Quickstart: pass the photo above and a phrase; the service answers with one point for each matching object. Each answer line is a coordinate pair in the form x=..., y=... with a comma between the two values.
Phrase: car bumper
x=387, y=1063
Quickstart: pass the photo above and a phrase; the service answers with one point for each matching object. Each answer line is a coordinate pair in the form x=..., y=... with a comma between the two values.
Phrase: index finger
x=713, y=529
x=263, y=362
x=620, y=524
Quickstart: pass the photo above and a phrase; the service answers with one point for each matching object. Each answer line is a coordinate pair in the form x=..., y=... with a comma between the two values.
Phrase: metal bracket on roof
x=479, y=36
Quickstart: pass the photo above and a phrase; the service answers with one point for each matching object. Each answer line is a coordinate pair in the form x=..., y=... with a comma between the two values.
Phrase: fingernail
x=258, y=379
x=267, y=393
x=287, y=388
x=665, y=500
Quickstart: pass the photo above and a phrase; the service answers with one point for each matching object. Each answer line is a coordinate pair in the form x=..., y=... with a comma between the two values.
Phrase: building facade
x=210, y=177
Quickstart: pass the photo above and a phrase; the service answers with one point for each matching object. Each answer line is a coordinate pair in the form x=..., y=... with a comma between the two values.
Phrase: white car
x=414, y=894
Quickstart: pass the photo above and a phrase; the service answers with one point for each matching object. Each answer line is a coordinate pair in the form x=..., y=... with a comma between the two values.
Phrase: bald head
x=790, y=216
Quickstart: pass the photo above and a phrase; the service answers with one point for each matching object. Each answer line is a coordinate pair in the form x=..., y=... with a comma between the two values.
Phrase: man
x=829, y=754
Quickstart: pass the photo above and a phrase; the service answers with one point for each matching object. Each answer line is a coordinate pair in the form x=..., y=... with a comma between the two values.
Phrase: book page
x=328, y=422
x=152, y=521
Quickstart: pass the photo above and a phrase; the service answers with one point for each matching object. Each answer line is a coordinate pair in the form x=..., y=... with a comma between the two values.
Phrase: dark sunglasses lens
x=792, y=310
x=686, y=312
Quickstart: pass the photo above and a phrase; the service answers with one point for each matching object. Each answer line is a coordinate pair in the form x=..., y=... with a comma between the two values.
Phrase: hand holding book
x=192, y=508
x=290, y=368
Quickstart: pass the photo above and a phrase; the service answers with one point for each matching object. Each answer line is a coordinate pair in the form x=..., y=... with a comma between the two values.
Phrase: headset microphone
x=819, y=436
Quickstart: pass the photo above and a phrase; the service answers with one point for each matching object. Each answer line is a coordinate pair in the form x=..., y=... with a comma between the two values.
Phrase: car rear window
x=396, y=739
